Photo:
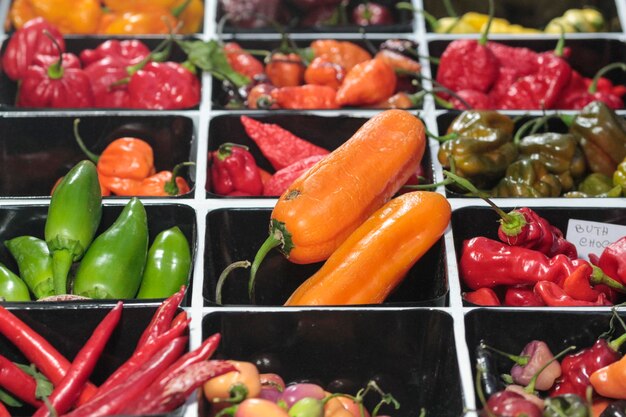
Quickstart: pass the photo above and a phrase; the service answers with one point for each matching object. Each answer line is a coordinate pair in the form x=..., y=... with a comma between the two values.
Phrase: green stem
x=492, y=10
x=55, y=71
x=530, y=388
x=176, y=11
x=593, y=87
x=61, y=263
x=450, y=8
x=599, y=277
x=521, y=360
x=481, y=393
x=171, y=187
x=568, y=119
x=560, y=45
x=617, y=343
x=92, y=156
x=270, y=243
x=432, y=20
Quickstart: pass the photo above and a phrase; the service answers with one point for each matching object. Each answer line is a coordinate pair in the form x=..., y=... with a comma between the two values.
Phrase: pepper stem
x=530, y=388
x=55, y=71
x=593, y=87
x=61, y=264
x=615, y=344
x=521, y=360
x=599, y=277
x=81, y=144
x=273, y=240
x=224, y=275
x=450, y=8
x=568, y=119
x=225, y=149
x=171, y=187
x=480, y=392
x=492, y=11
x=432, y=20
x=176, y=11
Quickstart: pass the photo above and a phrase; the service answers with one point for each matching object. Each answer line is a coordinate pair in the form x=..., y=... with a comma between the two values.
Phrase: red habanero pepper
x=242, y=61
x=17, y=382
x=305, y=97
x=612, y=260
x=233, y=169
x=522, y=61
x=28, y=42
x=323, y=72
x=108, y=90
x=163, y=86
x=522, y=296
x=282, y=178
x=285, y=69
x=475, y=99
x=127, y=52
x=281, y=147
x=555, y=296
x=482, y=297
x=66, y=393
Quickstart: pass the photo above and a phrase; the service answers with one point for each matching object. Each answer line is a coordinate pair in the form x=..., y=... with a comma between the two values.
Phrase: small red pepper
x=17, y=382
x=305, y=97
x=482, y=297
x=612, y=260
x=555, y=296
x=282, y=178
x=127, y=52
x=260, y=97
x=281, y=147
x=163, y=85
x=28, y=42
x=522, y=296
x=521, y=61
x=242, y=61
x=577, y=284
x=108, y=90
x=3, y=411
x=233, y=169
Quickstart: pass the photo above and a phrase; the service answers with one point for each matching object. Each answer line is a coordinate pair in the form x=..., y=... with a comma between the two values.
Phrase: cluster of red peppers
x=157, y=378
x=533, y=265
x=116, y=74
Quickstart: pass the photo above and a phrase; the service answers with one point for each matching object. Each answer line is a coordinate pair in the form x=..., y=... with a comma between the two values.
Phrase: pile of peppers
x=118, y=263
x=585, y=161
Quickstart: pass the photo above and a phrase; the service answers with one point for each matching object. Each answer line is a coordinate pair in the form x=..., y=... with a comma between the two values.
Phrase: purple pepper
x=535, y=355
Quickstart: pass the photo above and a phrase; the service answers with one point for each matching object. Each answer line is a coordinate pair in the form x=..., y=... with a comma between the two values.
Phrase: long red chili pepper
x=162, y=318
x=18, y=382
x=555, y=296
x=131, y=388
x=38, y=350
x=66, y=393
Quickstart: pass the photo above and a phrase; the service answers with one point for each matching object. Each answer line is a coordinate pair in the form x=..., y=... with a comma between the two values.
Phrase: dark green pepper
x=567, y=405
x=114, y=263
x=73, y=219
x=602, y=136
x=528, y=178
x=34, y=262
x=12, y=288
x=168, y=264
x=483, y=146
x=559, y=152
x=595, y=184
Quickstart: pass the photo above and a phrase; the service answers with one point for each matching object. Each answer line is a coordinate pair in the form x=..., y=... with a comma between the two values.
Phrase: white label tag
x=592, y=237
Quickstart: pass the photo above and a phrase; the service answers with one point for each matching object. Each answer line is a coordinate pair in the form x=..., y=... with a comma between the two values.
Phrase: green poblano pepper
x=73, y=219
x=567, y=405
x=113, y=265
x=528, y=178
x=34, y=262
x=12, y=288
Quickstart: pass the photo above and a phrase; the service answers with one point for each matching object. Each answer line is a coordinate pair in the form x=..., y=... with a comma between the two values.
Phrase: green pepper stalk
x=34, y=262
x=168, y=265
x=113, y=266
x=73, y=219
x=570, y=405
x=12, y=288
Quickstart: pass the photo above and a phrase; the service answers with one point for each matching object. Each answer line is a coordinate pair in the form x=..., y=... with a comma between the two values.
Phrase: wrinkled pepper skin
x=168, y=265
x=163, y=86
x=233, y=169
x=484, y=148
x=528, y=178
x=12, y=288
x=113, y=266
x=602, y=135
x=71, y=17
x=34, y=262
x=613, y=260
x=73, y=219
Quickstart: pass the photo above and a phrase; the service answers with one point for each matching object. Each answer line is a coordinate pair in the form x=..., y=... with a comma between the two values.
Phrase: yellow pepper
x=458, y=26
x=70, y=16
x=143, y=19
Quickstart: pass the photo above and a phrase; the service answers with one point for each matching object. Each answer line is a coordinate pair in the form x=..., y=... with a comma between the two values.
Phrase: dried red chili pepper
x=305, y=97
x=17, y=382
x=281, y=147
x=555, y=296
x=233, y=169
x=163, y=85
x=522, y=296
x=66, y=393
x=282, y=178
x=612, y=260
x=127, y=52
x=482, y=297
x=242, y=61
x=28, y=42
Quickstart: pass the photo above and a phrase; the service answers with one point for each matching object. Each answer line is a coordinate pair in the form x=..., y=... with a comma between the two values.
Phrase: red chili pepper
x=522, y=296
x=162, y=318
x=613, y=260
x=260, y=97
x=577, y=285
x=128, y=390
x=282, y=178
x=28, y=42
x=18, y=382
x=305, y=97
x=482, y=297
x=242, y=61
x=522, y=61
x=37, y=350
x=126, y=52
x=163, y=85
x=576, y=368
x=555, y=296
x=285, y=69
x=233, y=169
x=581, y=91
x=66, y=393
x=281, y=147
x=506, y=77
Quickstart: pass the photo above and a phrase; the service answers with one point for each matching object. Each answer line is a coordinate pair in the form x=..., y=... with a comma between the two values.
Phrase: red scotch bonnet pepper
x=163, y=85
x=234, y=171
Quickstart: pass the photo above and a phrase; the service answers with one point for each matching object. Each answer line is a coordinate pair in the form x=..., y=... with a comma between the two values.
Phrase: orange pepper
x=610, y=381
x=70, y=16
x=161, y=185
x=323, y=72
x=344, y=53
x=367, y=83
x=151, y=19
x=307, y=96
x=386, y=245
x=21, y=12
x=191, y=16
x=398, y=61
x=399, y=100
x=260, y=97
x=247, y=375
x=285, y=70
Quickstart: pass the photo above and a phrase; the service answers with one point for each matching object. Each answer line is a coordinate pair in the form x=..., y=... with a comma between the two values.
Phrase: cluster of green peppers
x=587, y=161
x=117, y=264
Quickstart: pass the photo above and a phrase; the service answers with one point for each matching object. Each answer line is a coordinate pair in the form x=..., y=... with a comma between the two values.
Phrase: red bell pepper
x=163, y=86
x=28, y=42
x=128, y=52
x=233, y=169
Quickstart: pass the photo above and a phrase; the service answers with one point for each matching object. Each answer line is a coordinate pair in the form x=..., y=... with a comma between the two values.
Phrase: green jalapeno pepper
x=34, y=262
x=113, y=265
x=73, y=219
x=168, y=265
x=12, y=288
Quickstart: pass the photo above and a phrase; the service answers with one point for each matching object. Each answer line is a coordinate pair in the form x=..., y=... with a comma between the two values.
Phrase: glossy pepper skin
x=613, y=260
x=164, y=183
x=304, y=97
x=12, y=288
x=368, y=82
x=167, y=266
x=34, y=263
x=602, y=136
x=128, y=52
x=483, y=149
x=234, y=170
x=113, y=265
x=343, y=53
x=163, y=85
x=482, y=297
x=285, y=69
x=145, y=18
x=608, y=380
x=527, y=178
x=71, y=17
x=242, y=61
x=619, y=176
x=596, y=184
x=28, y=42
x=73, y=218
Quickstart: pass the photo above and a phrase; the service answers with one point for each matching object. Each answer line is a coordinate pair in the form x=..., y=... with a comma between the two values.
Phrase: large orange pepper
x=21, y=12
x=70, y=16
x=344, y=53
x=192, y=17
x=144, y=19
x=323, y=72
x=610, y=381
x=189, y=12
x=367, y=83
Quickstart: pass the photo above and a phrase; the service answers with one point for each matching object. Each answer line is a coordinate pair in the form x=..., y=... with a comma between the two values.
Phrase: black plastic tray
x=36, y=151
x=236, y=234
x=409, y=353
x=30, y=220
x=324, y=131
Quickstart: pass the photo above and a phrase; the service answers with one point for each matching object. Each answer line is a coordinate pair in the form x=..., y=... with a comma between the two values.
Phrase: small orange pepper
x=285, y=70
x=577, y=284
x=161, y=184
x=344, y=53
x=70, y=16
x=247, y=375
x=323, y=72
x=610, y=381
x=398, y=61
x=151, y=19
x=308, y=96
x=367, y=83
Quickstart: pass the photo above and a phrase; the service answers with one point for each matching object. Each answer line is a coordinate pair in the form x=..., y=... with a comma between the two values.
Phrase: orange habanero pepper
x=344, y=53
x=610, y=381
x=367, y=83
x=164, y=183
x=285, y=70
x=383, y=248
x=320, y=209
x=323, y=72
x=70, y=16
x=246, y=376
x=189, y=12
x=143, y=19
x=308, y=96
